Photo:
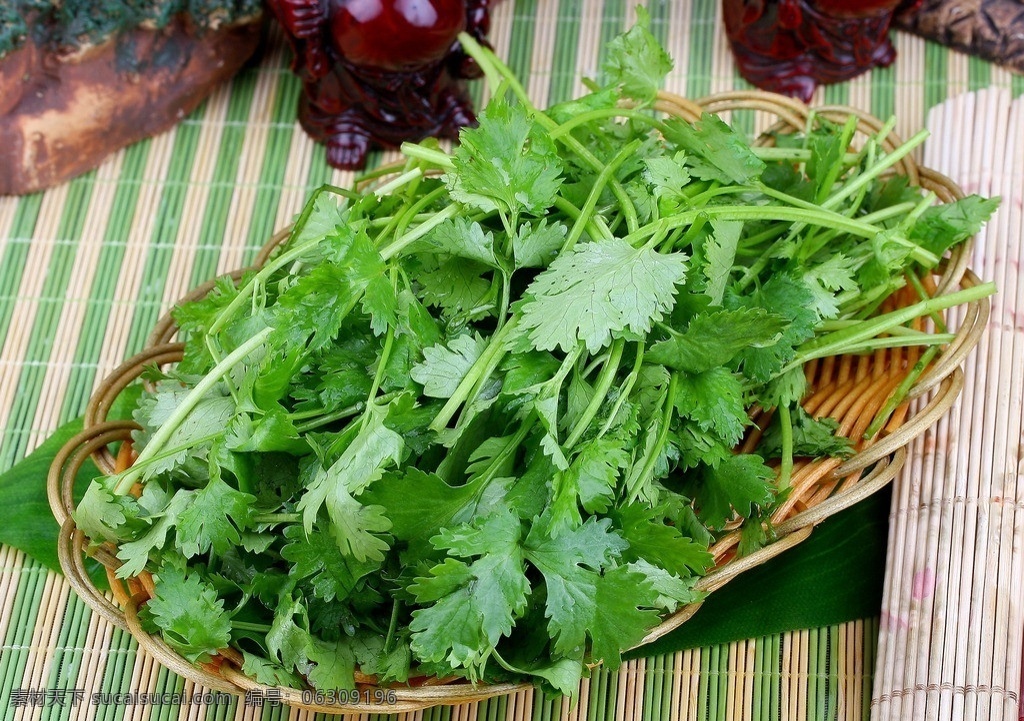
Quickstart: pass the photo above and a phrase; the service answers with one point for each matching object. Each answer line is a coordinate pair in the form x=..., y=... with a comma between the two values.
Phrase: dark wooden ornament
x=991, y=29
x=62, y=111
x=792, y=46
x=380, y=72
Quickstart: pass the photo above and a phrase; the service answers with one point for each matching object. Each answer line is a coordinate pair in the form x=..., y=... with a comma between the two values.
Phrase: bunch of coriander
x=481, y=421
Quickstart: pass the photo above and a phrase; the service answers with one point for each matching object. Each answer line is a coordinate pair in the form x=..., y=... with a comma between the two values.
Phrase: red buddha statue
x=792, y=46
x=381, y=71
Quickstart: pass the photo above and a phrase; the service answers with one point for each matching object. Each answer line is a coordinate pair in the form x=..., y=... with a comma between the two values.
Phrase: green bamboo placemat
x=88, y=267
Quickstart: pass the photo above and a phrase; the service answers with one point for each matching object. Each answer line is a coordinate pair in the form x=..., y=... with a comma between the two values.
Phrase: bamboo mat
x=88, y=267
x=950, y=643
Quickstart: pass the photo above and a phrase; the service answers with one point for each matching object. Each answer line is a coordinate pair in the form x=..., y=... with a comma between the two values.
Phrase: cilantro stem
x=601, y=113
x=901, y=392
x=247, y=626
x=188, y=403
x=840, y=341
x=601, y=388
x=595, y=224
x=845, y=137
x=389, y=639
x=249, y=288
x=786, y=465
x=428, y=155
x=939, y=321
x=166, y=453
x=402, y=242
x=625, y=389
x=491, y=63
x=330, y=418
x=756, y=212
x=272, y=518
x=397, y=182
x=828, y=326
x=772, y=154
x=378, y=376
x=868, y=175
x=809, y=248
x=480, y=370
x=595, y=193
x=635, y=483
x=873, y=344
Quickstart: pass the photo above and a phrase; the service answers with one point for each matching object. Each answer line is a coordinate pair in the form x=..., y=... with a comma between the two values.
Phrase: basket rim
x=937, y=389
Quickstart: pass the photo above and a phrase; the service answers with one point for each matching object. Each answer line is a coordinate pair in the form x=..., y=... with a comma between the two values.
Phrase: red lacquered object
x=380, y=72
x=792, y=46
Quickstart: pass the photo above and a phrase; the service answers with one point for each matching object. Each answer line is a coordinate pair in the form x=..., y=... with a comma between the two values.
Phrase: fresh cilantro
x=714, y=150
x=471, y=605
x=188, y=611
x=942, y=226
x=315, y=556
x=812, y=437
x=714, y=339
x=507, y=163
x=214, y=519
x=736, y=485
x=636, y=62
x=592, y=293
x=484, y=422
x=720, y=254
x=444, y=367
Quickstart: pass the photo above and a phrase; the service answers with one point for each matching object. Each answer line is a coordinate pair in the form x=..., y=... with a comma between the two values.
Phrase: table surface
x=88, y=267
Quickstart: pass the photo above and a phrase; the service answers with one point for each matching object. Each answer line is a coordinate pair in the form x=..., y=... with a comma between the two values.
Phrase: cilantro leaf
x=213, y=519
x=826, y=279
x=672, y=591
x=636, y=62
x=791, y=299
x=327, y=665
x=267, y=672
x=652, y=540
x=589, y=481
x=190, y=614
x=507, y=163
x=457, y=287
x=135, y=554
x=720, y=254
x=100, y=514
x=942, y=226
x=812, y=437
x=715, y=401
x=714, y=150
x=473, y=605
x=444, y=366
x=734, y=486
x=597, y=290
x=715, y=338
x=463, y=238
x=438, y=505
x=327, y=216
x=570, y=563
x=374, y=448
x=624, y=603
x=315, y=556
x=535, y=245
x=667, y=175
x=206, y=421
x=314, y=308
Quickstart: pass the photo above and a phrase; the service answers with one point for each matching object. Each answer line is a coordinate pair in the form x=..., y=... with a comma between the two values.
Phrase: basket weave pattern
x=851, y=389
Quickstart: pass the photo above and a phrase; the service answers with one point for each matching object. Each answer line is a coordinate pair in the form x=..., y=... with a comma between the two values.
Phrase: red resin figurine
x=381, y=71
x=792, y=46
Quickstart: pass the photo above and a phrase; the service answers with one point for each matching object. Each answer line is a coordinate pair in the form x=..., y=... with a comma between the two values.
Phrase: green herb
x=482, y=422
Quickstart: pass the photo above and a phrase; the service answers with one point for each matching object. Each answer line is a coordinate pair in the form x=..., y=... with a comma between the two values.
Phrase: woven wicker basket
x=850, y=389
